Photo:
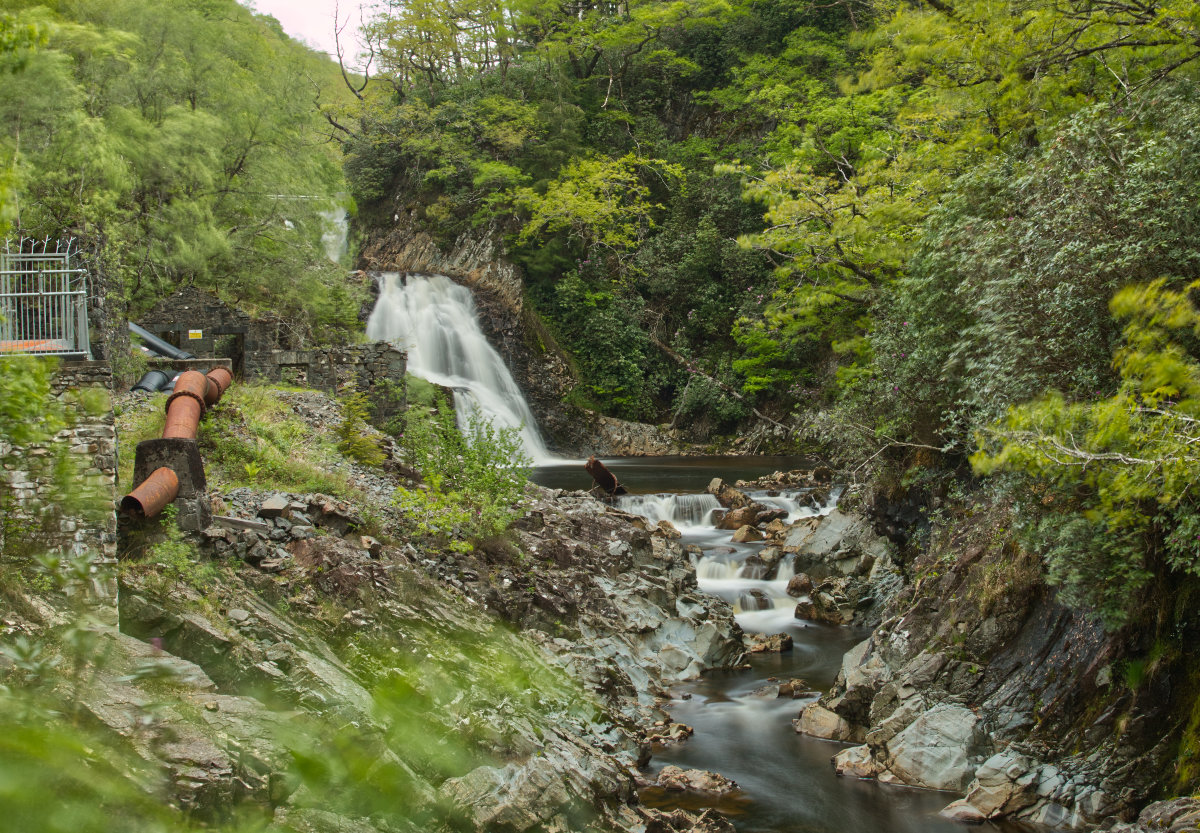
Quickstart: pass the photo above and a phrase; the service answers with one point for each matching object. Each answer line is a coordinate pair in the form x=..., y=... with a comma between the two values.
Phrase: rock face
x=977, y=682
x=605, y=599
x=1180, y=815
x=615, y=602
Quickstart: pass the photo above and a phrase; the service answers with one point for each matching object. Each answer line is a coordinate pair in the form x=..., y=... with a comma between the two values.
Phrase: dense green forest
x=883, y=223
x=181, y=142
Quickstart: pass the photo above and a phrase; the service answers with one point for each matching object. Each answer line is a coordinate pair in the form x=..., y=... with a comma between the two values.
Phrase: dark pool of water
x=647, y=475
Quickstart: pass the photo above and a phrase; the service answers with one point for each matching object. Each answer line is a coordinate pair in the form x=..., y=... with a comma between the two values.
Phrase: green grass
x=252, y=438
x=143, y=422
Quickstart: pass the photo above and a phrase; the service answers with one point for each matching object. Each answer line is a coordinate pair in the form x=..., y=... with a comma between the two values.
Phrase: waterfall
x=336, y=234
x=434, y=319
x=684, y=511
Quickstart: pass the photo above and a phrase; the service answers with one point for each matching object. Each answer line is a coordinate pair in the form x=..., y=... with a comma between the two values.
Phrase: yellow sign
x=195, y=334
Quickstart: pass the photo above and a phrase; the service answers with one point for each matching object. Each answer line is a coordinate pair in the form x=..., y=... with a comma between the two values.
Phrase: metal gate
x=43, y=299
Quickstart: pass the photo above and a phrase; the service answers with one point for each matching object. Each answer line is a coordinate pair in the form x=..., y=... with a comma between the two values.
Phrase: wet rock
x=761, y=643
x=666, y=529
x=682, y=821
x=746, y=534
x=939, y=750
x=726, y=495
x=963, y=811
x=800, y=584
x=757, y=567
x=856, y=762
x=698, y=781
x=671, y=734
x=1178, y=815
x=788, y=690
x=838, y=544
x=1004, y=784
x=819, y=722
x=754, y=599
x=736, y=518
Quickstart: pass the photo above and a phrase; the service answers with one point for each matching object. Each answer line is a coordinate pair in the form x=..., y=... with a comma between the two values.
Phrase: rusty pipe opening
x=156, y=491
x=222, y=378
x=183, y=418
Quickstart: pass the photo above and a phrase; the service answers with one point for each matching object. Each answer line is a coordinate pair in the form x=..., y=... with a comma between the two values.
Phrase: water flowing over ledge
x=435, y=320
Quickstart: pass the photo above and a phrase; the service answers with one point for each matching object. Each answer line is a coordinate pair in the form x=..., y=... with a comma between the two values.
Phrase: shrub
x=476, y=476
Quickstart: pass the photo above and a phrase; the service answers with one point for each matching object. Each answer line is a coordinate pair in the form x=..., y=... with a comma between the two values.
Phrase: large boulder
x=695, y=781
x=939, y=750
x=838, y=544
x=726, y=495
x=819, y=722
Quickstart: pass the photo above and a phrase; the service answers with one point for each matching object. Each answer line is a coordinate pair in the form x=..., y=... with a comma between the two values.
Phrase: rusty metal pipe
x=211, y=393
x=191, y=383
x=148, y=499
x=183, y=418
x=222, y=378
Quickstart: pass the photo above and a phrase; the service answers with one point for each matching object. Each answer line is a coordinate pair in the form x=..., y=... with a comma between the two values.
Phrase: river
x=787, y=782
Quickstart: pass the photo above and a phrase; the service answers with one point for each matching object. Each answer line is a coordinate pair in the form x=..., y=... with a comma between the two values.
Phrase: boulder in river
x=799, y=585
x=746, y=535
x=695, y=781
x=819, y=722
x=761, y=643
x=726, y=495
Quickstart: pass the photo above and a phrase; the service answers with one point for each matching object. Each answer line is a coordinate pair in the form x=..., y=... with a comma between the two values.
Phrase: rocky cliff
x=979, y=682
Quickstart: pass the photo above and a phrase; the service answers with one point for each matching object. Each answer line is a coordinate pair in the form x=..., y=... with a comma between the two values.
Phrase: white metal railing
x=43, y=299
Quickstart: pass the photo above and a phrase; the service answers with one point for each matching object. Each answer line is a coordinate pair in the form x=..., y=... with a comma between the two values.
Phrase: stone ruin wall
x=375, y=370
x=33, y=519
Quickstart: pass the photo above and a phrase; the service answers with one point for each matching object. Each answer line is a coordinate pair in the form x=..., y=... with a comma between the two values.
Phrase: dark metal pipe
x=153, y=381
x=148, y=499
x=158, y=345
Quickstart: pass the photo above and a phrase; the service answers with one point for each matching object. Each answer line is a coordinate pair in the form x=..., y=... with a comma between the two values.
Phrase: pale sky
x=312, y=20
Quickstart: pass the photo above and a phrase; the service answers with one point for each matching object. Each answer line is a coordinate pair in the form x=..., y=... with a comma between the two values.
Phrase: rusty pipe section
x=194, y=393
x=186, y=405
x=148, y=499
x=222, y=378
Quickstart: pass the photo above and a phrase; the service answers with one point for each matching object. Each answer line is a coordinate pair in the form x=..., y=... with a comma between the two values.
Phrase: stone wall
x=42, y=513
x=207, y=327
x=375, y=370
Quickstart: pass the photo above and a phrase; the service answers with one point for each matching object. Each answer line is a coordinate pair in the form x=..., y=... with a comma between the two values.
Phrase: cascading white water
x=684, y=511
x=434, y=319
x=761, y=604
x=336, y=235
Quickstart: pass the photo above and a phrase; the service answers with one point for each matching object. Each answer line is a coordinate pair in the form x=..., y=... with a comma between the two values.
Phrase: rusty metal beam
x=156, y=491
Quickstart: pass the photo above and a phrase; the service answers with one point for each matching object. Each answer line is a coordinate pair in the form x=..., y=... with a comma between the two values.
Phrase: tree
x=1123, y=469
